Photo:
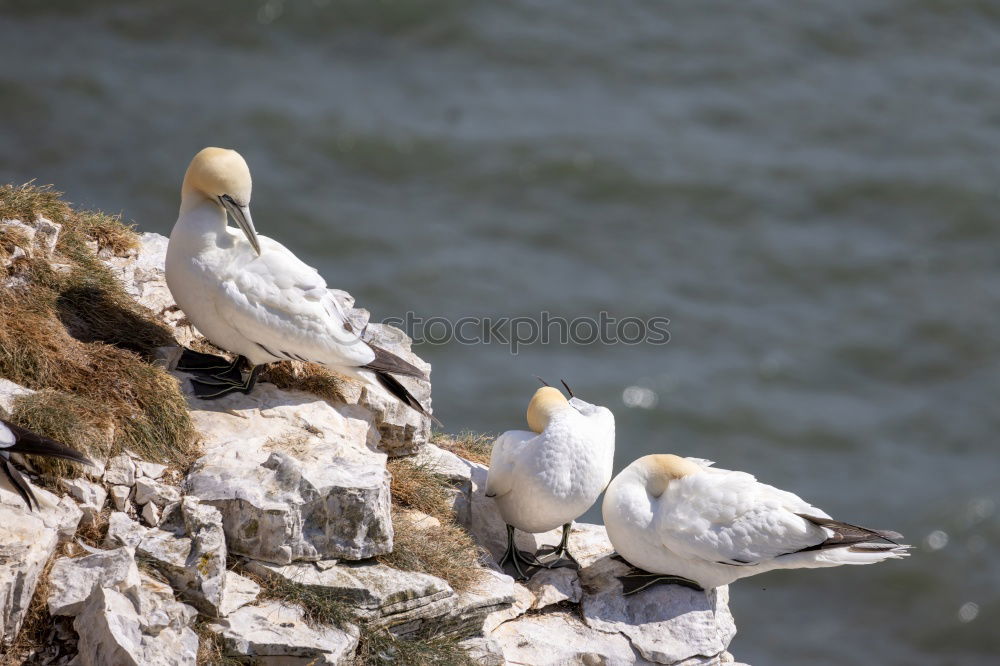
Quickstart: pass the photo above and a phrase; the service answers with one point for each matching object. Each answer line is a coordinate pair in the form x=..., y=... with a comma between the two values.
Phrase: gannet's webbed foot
x=518, y=560
x=638, y=580
x=193, y=361
x=560, y=554
x=213, y=387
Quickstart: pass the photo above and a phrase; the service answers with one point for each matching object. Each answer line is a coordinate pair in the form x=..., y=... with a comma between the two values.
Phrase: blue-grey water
x=809, y=191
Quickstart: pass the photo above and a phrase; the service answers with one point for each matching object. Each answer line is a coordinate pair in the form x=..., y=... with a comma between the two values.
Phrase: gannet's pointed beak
x=241, y=215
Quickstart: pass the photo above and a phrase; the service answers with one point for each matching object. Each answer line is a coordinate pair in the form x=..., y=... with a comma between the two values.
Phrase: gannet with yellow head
x=250, y=295
x=680, y=520
x=550, y=475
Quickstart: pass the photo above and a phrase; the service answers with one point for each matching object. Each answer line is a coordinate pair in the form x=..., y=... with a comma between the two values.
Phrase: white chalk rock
x=9, y=393
x=150, y=470
x=275, y=634
x=237, y=593
x=119, y=471
x=554, y=586
x=156, y=632
x=379, y=594
x=26, y=545
x=72, y=580
x=91, y=497
x=559, y=638
x=123, y=531
x=150, y=490
x=667, y=624
x=306, y=486
x=151, y=514
x=119, y=497
x=189, y=549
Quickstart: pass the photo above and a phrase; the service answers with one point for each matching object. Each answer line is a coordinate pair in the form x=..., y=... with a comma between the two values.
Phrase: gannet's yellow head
x=663, y=468
x=546, y=402
x=222, y=176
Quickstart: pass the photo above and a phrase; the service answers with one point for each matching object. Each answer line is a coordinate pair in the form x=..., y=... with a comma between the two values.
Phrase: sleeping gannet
x=685, y=522
x=550, y=475
x=249, y=295
x=14, y=439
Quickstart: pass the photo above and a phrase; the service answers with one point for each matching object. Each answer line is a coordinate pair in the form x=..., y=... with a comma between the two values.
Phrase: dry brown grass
x=78, y=338
x=309, y=377
x=469, y=445
x=446, y=549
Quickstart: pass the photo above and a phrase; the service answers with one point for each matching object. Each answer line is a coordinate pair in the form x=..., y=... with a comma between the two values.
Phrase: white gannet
x=550, y=475
x=249, y=295
x=685, y=522
x=14, y=439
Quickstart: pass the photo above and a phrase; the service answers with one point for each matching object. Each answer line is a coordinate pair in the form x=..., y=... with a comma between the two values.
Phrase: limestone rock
x=123, y=531
x=119, y=471
x=274, y=634
x=305, y=487
x=119, y=497
x=493, y=592
x=151, y=514
x=667, y=624
x=114, y=630
x=238, y=592
x=150, y=470
x=486, y=651
x=190, y=550
x=553, y=586
x=9, y=393
x=25, y=547
x=559, y=638
x=381, y=595
x=150, y=490
x=91, y=497
x=73, y=580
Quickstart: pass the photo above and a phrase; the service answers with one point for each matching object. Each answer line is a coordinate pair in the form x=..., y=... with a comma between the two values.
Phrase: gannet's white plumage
x=249, y=294
x=549, y=476
x=680, y=516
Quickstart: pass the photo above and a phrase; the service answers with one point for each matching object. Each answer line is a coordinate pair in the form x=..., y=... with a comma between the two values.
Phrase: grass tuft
x=378, y=646
x=442, y=548
x=469, y=445
x=311, y=378
x=69, y=330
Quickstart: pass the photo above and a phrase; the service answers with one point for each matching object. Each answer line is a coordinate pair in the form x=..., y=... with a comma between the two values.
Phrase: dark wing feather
x=392, y=385
x=388, y=362
x=845, y=534
x=35, y=444
x=20, y=484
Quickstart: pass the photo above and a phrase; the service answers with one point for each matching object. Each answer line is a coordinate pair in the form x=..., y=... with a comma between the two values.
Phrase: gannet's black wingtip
x=20, y=484
x=386, y=361
x=32, y=443
x=392, y=385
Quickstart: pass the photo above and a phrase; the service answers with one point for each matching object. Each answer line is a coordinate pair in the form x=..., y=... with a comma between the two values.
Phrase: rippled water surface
x=809, y=191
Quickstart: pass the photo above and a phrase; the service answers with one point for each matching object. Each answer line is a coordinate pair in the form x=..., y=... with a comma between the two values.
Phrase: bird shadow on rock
x=605, y=606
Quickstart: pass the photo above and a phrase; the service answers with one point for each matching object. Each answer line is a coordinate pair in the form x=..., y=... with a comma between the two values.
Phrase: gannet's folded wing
x=729, y=517
x=504, y=460
x=283, y=306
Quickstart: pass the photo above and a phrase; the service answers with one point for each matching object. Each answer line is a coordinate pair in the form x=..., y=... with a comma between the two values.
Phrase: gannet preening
x=679, y=520
x=550, y=475
x=14, y=439
x=251, y=296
